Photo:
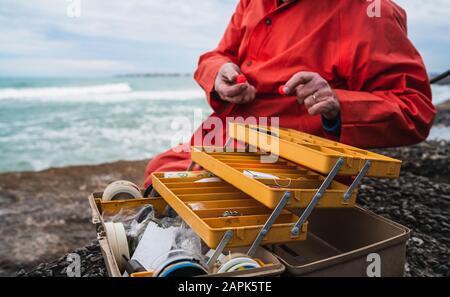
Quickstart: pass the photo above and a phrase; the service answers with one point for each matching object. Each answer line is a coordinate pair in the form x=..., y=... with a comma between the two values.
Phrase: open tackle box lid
x=264, y=172
x=300, y=181
x=316, y=153
x=224, y=216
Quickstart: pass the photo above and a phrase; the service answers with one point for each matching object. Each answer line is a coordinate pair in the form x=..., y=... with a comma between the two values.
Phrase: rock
x=417, y=241
x=421, y=209
x=91, y=264
x=45, y=214
x=442, y=118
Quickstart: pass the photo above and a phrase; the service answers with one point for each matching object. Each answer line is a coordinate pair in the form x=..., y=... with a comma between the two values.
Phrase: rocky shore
x=45, y=214
x=420, y=200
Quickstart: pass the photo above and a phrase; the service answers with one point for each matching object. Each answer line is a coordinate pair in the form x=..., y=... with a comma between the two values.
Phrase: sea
x=55, y=122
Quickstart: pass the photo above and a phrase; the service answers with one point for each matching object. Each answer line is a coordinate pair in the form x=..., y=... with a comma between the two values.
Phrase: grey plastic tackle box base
x=340, y=241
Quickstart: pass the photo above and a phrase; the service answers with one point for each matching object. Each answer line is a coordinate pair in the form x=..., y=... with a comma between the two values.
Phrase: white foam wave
x=97, y=93
x=439, y=133
x=441, y=93
x=52, y=92
x=186, y=94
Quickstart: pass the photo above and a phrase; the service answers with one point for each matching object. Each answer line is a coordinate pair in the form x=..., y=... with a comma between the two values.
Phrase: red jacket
x=377, y=74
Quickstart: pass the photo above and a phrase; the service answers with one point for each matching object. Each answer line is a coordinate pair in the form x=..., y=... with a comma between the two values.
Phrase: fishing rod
x=440, y=77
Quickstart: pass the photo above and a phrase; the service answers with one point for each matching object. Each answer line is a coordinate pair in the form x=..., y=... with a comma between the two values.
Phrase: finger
x=240, y=99
x=246, y=96
x=232, y=90
x=297, y=79
x=314, y=86
x=236, y=99
x=230, y=74
x=251, y=93
x=251, y=97
x=316, y=97
x=244, y=99
x=320, y=108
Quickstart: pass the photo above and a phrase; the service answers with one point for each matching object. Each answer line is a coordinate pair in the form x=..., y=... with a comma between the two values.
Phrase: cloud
x=178, y=22
x=25, y=42
x=150, y=35
x=428, y=25
x=65, y=67
x=428, y=13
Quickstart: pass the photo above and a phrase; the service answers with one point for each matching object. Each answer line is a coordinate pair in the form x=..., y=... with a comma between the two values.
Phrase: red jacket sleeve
x=388, y=97
x=227, y=51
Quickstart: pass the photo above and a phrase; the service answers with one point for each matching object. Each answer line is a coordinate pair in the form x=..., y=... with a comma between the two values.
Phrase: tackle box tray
x=202, y=205
x=314, y=152
x=344, y=243
x=301, y=182
x=101, y=209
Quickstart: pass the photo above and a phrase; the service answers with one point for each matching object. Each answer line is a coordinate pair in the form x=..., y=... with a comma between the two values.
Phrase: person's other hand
x=315, y=92
x=226, y=87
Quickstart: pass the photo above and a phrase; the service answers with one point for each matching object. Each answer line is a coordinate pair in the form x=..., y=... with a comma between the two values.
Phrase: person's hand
x=227, y=88
x=315, y=92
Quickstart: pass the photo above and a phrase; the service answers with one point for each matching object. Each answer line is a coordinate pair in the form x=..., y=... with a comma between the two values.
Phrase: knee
x=172, y=160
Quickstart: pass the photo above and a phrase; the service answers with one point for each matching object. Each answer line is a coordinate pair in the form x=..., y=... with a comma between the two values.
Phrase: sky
x=46, y=38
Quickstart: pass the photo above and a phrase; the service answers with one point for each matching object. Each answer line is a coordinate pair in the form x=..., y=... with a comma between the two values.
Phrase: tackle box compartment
x=203, y=206
x=339, y=242
x=314, y=152
x=99, y=208
x=301, y=182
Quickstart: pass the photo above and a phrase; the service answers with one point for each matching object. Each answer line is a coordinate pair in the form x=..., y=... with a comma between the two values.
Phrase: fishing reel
x=121, y=190
x=180, y=263
x=117, y=238
x=236, y=262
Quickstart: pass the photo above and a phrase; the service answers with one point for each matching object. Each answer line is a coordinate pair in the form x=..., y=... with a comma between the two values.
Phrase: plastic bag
x=135, y=221
x=186, y=239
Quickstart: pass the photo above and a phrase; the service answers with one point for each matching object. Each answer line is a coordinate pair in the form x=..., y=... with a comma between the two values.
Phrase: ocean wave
x=441, y=93
x=97, y=93
x=123, y=92
x=52, y=92
x=183, y=94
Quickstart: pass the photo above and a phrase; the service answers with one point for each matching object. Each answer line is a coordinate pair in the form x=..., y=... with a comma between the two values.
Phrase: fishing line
x=121, y=190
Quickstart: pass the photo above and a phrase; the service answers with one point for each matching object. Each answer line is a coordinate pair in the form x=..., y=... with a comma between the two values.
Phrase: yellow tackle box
x=300, y=181
x=314, y=152
x=213, y=209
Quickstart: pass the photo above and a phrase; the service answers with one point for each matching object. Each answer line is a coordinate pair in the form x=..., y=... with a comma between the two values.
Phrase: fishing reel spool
x=236, y=262
x=179, y=263
x=121, y=190
x=117, y=238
